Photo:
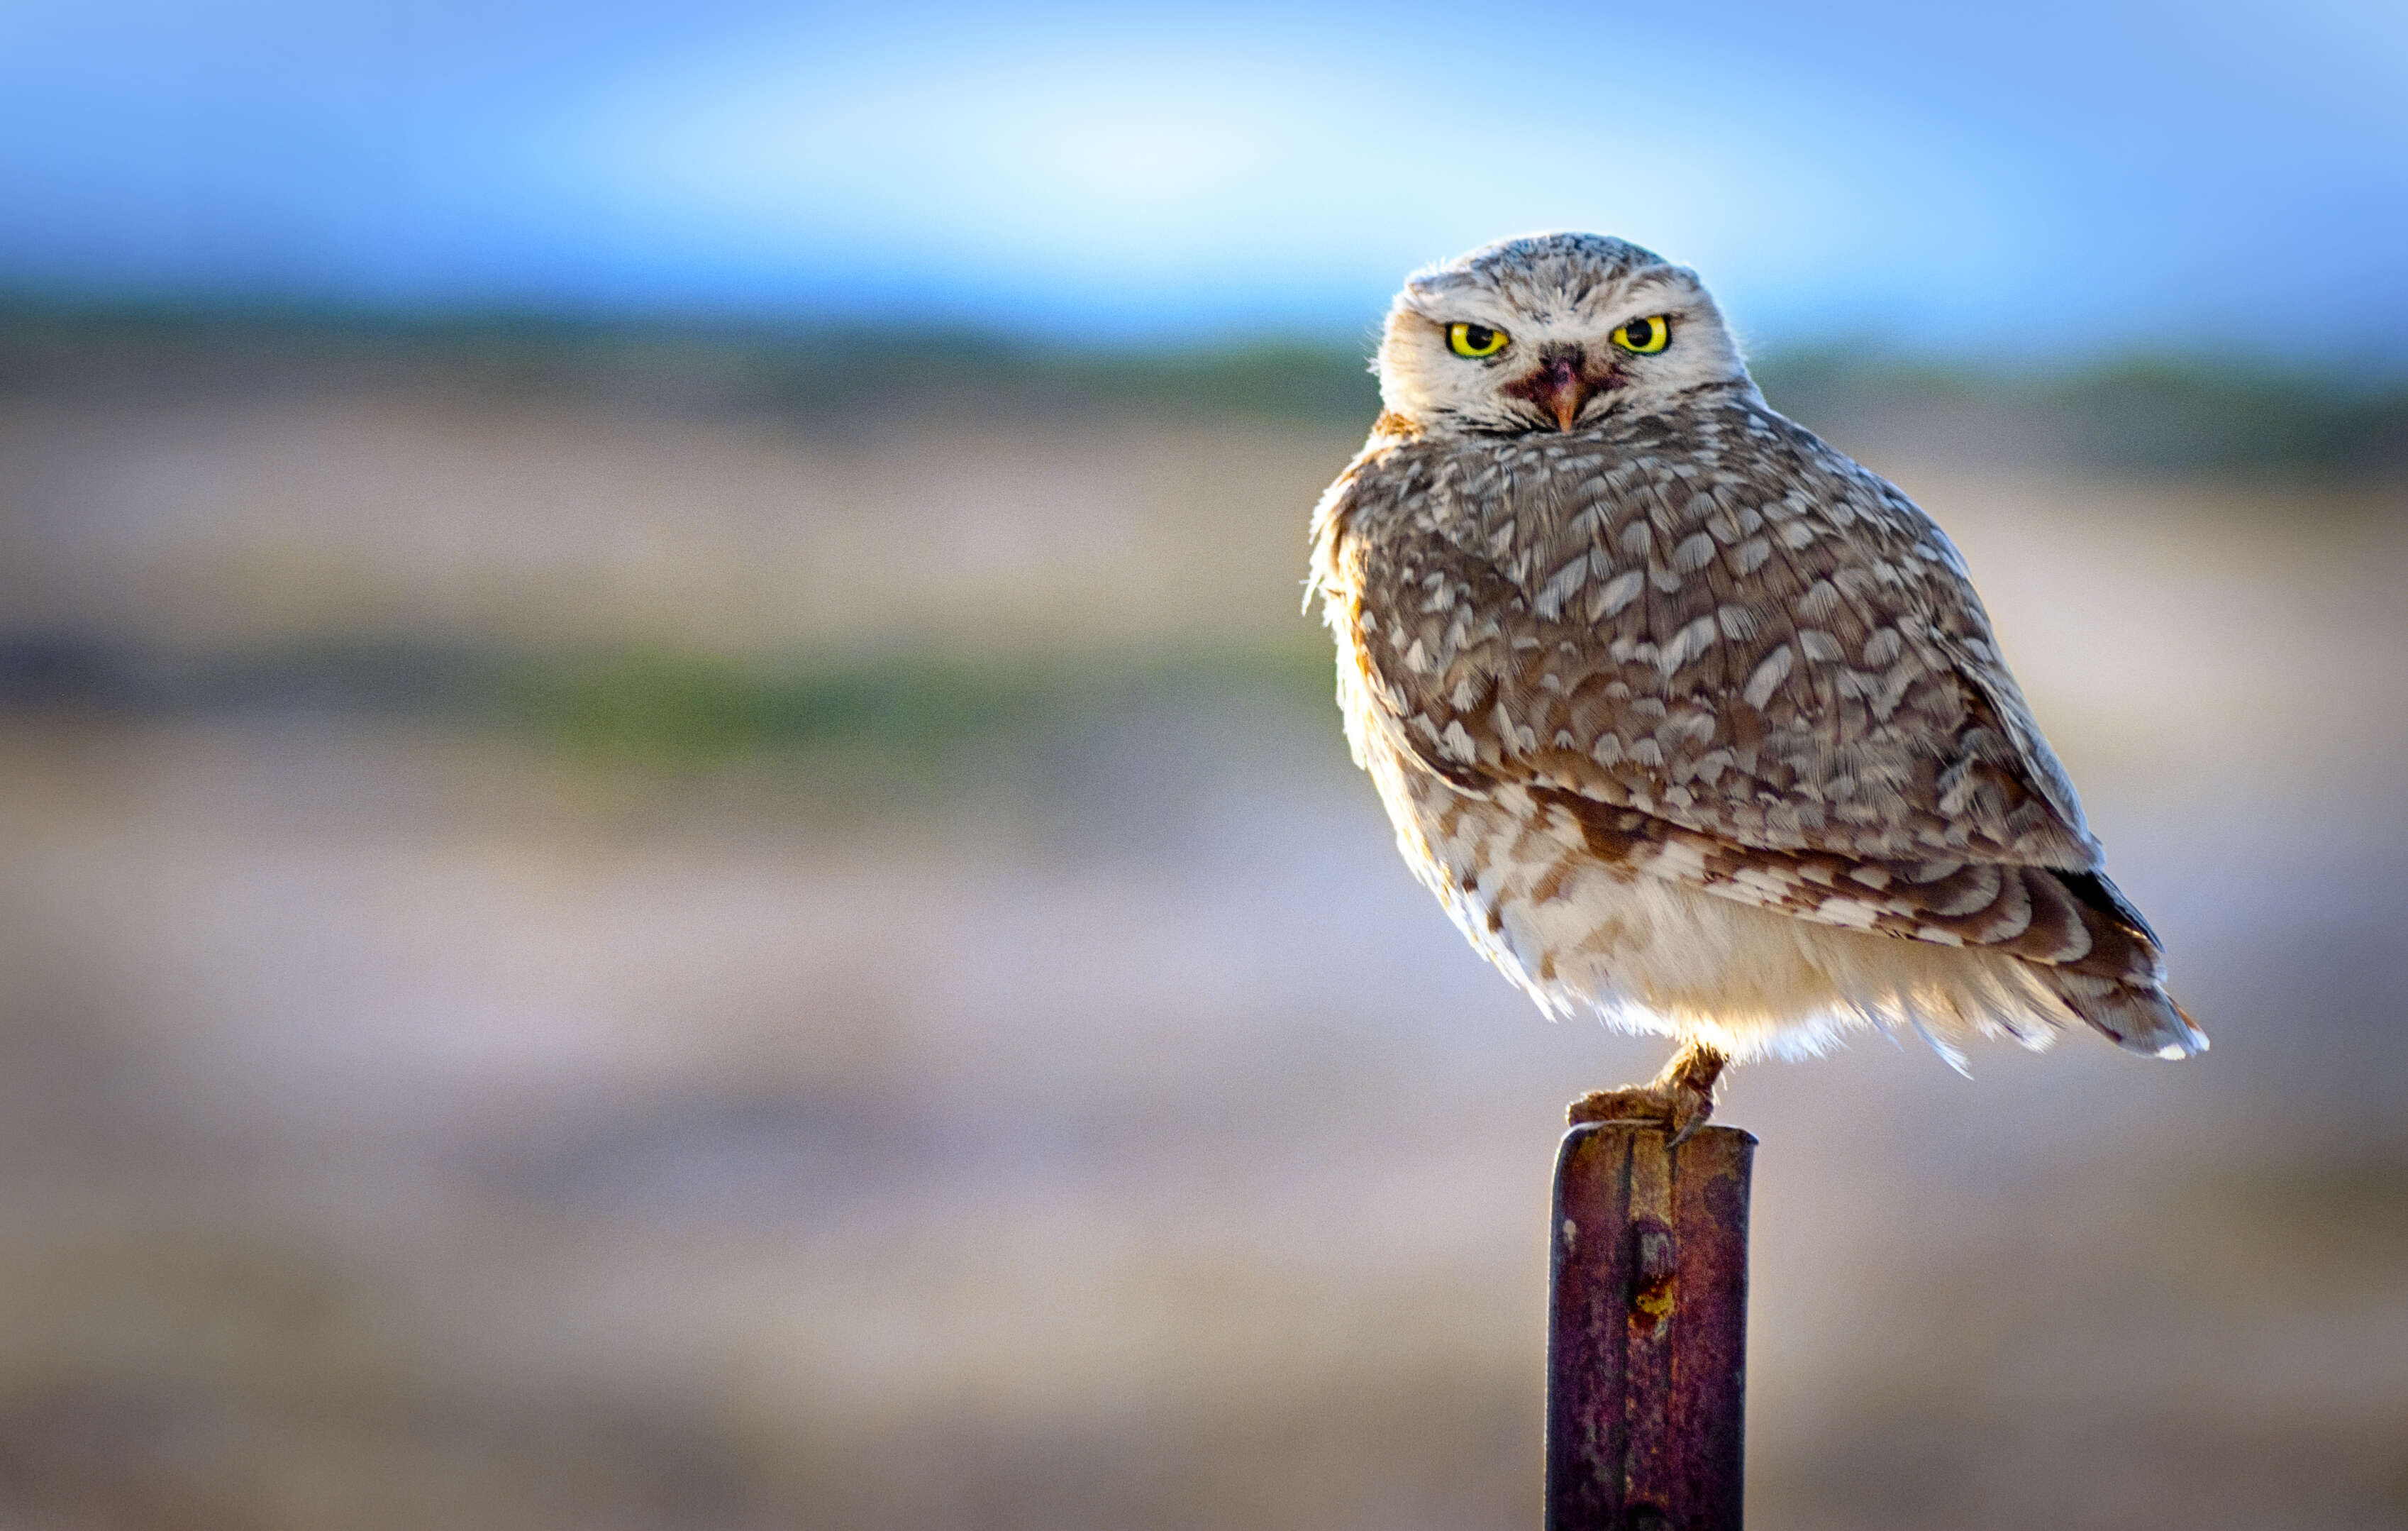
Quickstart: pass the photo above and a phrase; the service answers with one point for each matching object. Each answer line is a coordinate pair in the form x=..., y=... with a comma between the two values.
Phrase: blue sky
x=2044, y=180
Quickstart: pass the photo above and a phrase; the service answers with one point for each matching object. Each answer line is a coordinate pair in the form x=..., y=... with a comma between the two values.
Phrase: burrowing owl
x=1689, y=720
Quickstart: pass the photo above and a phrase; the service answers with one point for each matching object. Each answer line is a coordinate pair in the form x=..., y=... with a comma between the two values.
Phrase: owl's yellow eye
x=1474, y=341
x=1645, y=336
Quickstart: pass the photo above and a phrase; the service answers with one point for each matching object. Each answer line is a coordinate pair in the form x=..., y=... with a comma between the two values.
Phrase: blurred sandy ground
x=416, y=1124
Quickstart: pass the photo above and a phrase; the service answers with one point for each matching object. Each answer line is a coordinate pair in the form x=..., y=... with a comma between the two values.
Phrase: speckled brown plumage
x=1685, y=658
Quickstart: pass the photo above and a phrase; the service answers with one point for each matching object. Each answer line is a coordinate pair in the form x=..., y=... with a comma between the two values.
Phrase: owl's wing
x=1757, y=640
x=1752, y=667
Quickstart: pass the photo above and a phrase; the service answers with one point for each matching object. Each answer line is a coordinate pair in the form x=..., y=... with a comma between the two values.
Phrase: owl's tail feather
x=2118, y=984
x=2138, y=1017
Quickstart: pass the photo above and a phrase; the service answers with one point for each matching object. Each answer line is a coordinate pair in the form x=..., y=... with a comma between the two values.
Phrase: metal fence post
x=1647, y=1330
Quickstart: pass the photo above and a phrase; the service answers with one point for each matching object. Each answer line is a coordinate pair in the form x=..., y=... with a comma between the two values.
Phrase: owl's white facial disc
x=1559, y=300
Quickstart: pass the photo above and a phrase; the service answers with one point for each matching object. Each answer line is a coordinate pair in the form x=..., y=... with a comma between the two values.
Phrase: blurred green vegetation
x=2161, y=413
x=2149, y=415
x=921, y=710
x=840, y=370
x=923, y=714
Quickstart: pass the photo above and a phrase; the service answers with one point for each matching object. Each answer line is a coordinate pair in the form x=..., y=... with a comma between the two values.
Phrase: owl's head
x=1550, y=332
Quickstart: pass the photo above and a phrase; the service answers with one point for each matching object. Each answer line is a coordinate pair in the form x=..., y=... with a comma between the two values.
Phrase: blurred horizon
x=2145, y=409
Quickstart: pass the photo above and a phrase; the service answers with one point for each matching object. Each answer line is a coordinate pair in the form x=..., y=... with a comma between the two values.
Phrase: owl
x=1690, y=721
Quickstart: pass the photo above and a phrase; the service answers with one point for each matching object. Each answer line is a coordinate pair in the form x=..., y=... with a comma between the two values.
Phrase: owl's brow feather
x=1650, y=284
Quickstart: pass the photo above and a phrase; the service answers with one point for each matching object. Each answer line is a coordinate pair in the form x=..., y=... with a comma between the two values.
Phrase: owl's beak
x=1566, y=393
x=1560, y=387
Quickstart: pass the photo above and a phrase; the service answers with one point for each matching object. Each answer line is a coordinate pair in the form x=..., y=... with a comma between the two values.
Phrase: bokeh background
x=672, y=854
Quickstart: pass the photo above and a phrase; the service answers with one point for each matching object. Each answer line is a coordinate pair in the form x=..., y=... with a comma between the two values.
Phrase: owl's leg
x=1682, y=1097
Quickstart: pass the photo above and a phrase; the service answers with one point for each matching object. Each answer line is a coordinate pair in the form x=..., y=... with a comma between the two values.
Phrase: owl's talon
x=1636, y=1103
x=1677, y=1107
x=1682, y=1098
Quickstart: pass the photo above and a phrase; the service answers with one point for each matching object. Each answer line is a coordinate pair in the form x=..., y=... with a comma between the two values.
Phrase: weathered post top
x=1647, y=1330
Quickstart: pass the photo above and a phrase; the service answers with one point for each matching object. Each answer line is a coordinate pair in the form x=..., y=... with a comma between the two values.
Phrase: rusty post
x=1647, y=1330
